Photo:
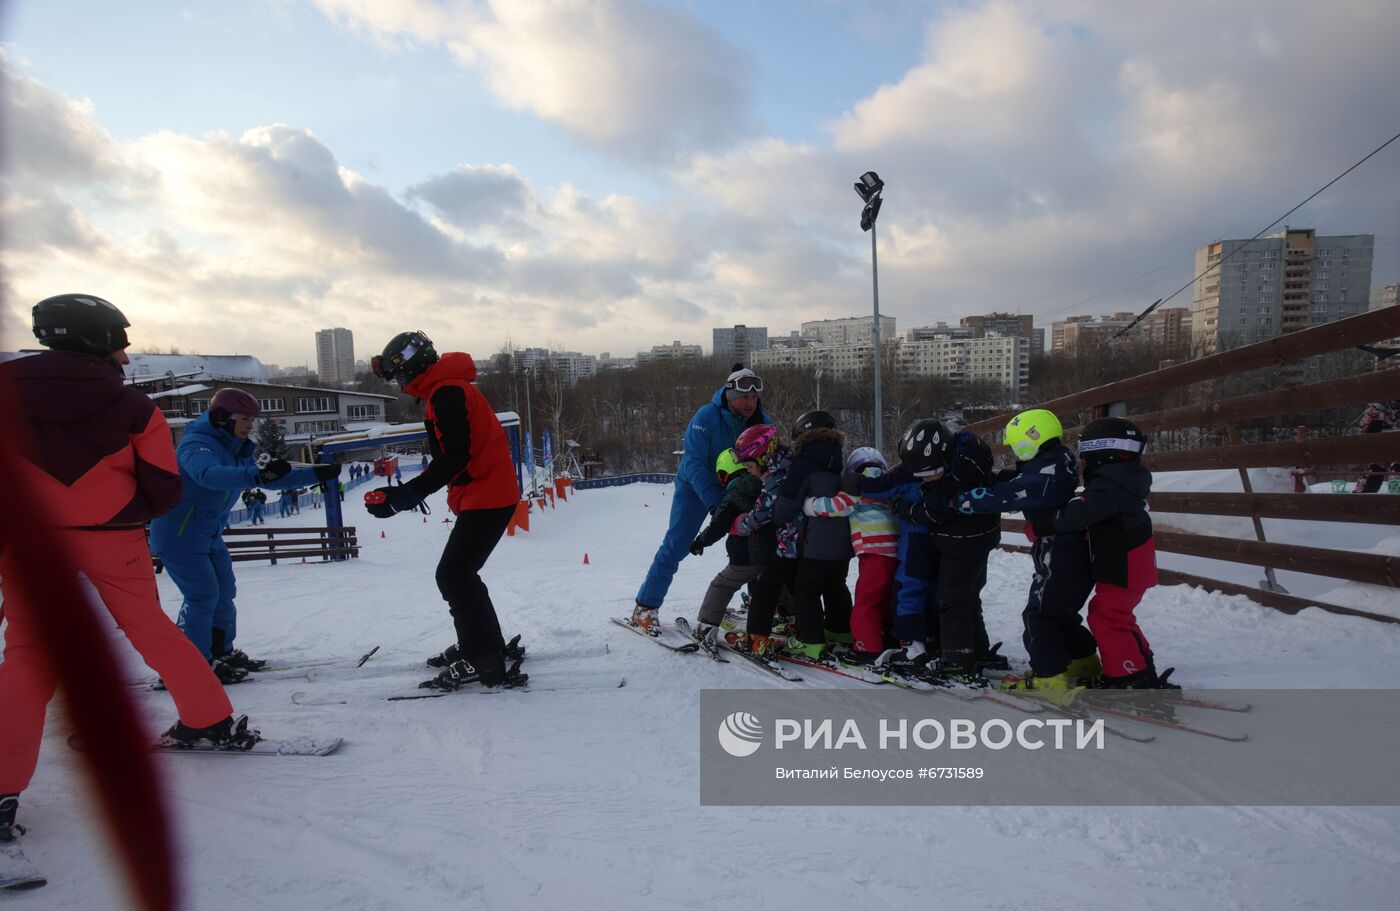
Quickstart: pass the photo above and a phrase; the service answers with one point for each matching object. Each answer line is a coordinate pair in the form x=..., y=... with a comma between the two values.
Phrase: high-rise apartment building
x=851, y=330
x=1251, y=290
x=1009, y=324
x=739, y=343
x=1075, y=332
x=335, y=356
x=672, y=352
x=1003, y=362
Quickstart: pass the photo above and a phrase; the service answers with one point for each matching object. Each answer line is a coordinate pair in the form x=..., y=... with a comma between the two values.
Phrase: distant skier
x=99, y=454
x=216, y=461
x=471, y=457
x=1378, y=418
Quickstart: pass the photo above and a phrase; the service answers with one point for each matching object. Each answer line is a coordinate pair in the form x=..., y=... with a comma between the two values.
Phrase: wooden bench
x=283, y=543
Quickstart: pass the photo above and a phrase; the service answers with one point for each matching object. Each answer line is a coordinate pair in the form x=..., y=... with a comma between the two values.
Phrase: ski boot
x=807, y=651
x=645, y=619
x=1146, y=679
x=230, y=734
x=511, y=651
x=239, y=659
x=960, y=671
x=759, y=646
x=9, y=829
x=1085, y=670
x=227, y=673
x=705, y=633
x=1056, y=688
x=784, y=625
x=461, y=673
x=994, y=660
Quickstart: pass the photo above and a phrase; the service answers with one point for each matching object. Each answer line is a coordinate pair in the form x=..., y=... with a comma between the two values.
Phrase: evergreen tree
x=271, y=438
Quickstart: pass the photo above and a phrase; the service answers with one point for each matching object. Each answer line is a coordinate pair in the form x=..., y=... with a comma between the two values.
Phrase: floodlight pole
x=879, y=400
x=529, y=434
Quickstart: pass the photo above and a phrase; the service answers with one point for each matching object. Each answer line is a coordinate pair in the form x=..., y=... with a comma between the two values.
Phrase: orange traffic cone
x=425, y=520
x=585, y=558
x=383, y=535
x=303, y=559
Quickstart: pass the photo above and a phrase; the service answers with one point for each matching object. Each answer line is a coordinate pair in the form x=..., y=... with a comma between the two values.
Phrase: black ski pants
x=765, y=591
x=473, y=539
x=819, y=583
x=961, y=630
x=1055, y=633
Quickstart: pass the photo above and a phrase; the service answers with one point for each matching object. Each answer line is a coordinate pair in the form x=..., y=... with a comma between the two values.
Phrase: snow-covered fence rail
x=1302, y=455
x=283, y=543
x=623, y=479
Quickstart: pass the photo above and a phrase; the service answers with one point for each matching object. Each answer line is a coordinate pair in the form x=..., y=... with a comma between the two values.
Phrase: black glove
x=697, y=547
x=274, y=471
x=326, y=472
x=850, y=483
x=904, y=509
x=383, y=502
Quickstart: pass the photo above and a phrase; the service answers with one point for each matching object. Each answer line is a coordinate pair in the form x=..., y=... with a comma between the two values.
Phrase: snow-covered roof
x=183, y=390
x=213, y=366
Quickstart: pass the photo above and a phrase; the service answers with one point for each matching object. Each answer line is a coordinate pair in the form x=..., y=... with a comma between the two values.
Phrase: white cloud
x=642, y=82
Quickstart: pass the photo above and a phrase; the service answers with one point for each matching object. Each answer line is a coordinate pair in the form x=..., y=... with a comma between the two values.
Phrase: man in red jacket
x=472, y=459
x=99, y=455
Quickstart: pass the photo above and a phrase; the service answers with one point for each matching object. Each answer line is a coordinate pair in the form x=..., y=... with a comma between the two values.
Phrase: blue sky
x=608, y=174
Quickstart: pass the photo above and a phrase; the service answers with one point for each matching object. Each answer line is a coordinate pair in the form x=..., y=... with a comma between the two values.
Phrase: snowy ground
x=587, y=797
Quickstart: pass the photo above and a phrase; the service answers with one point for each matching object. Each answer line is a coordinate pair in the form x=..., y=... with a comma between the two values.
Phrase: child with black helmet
x=951, y=463
x=1113, y=509
x=820, y=597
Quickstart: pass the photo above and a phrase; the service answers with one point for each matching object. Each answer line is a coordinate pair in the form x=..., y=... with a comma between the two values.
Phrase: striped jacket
x=874, y=528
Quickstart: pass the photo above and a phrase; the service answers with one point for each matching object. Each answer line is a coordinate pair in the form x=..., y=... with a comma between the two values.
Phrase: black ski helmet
x=1111, y=440
x=926, y=446
x=80, y=322
x=406, y=356
x=811, y=421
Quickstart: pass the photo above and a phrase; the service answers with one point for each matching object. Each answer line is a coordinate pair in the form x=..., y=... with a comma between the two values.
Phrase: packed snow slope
x=584, y=795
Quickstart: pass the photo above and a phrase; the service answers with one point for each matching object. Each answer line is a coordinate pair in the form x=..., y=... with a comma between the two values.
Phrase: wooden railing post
x=1270, y=582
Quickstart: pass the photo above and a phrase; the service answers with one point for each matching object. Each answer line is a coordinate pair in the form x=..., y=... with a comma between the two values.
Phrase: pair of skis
x=716, y=645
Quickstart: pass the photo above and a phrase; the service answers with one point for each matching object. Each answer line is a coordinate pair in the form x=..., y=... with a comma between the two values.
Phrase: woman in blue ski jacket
x=216, y=463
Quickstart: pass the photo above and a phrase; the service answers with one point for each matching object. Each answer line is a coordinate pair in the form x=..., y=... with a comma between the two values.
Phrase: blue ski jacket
x=712, y=430
x=215, y=467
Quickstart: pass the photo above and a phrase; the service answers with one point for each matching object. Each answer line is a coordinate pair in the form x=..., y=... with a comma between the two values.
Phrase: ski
x=489, y=691
x=835, y=667
x=18, y=872
x=273, y=672
x=1193, y=702
x=691, y=646
x=303, y=746
x=1147, y=717
x=773, y=667
x=707, y=644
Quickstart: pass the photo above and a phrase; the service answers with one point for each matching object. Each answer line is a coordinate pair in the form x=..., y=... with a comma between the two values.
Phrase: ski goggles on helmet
x=744, y=382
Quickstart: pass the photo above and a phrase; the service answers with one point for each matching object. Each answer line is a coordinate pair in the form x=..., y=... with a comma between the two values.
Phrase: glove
x=1043, y=525
x=327, y=472
x=274, y=471
x=904, y=509
x=383, y=502
x=963, y=504
x=697, y=547
x=850, y=483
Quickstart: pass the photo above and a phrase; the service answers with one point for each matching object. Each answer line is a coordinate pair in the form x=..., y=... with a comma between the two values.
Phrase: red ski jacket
x=468, y=445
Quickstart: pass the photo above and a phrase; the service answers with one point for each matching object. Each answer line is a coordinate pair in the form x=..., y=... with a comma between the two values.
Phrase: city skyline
x=528, y=173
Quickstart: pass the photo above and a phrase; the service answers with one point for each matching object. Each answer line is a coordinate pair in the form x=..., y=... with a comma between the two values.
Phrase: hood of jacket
x=64, y=387
x=824, y=446
x=454, y=365
x=1132, y=477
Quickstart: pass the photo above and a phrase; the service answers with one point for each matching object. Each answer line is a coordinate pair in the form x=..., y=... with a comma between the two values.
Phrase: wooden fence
x=282, y=543
x=1304, y=455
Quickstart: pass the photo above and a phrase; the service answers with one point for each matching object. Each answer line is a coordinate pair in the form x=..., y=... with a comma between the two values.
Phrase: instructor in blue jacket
x=735, y=406
x=216, y=462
